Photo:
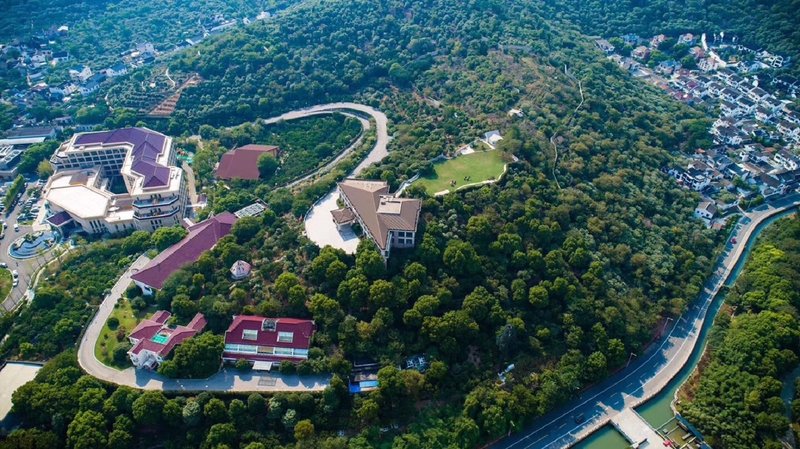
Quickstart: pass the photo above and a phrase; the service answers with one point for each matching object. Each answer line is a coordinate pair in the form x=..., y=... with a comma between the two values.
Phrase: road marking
x=741, y=245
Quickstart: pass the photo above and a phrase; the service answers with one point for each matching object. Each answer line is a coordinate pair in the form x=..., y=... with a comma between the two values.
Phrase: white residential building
x=787, y=160
x=705, y=210
x=80, y=73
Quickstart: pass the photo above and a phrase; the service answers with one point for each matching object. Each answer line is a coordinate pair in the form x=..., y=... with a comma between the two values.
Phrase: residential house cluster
x=738, y=168
x=730, y=177
x=36, y=60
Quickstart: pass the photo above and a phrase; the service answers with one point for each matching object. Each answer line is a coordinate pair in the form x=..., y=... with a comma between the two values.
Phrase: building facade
x=387, y=220
x=114, y=181
x=261, y=339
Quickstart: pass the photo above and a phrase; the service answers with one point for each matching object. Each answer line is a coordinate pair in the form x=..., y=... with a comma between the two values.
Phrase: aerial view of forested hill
x=396, y=224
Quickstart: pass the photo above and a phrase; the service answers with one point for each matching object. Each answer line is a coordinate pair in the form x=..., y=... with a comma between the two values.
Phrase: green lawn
x=5, y=283
x=479, y=166
x=108, y=341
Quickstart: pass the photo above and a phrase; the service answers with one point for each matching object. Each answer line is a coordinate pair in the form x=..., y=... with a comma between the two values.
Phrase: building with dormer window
x=262, y=339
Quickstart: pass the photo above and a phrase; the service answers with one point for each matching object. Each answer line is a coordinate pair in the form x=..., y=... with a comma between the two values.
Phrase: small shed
x=240, y=270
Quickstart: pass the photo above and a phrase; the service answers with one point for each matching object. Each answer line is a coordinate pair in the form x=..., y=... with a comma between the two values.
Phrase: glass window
x=285, y=337
x=249, y=334
x=283, y=351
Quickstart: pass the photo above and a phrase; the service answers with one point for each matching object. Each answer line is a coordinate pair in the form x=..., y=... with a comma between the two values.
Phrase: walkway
x=636, y=430
x=226, y=380
x=653, y=370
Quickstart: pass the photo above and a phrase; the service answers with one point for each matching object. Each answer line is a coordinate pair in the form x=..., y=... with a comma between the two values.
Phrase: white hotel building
x=89, y=165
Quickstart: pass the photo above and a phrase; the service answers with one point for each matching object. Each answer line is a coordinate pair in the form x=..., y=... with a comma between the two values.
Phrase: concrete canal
x=657, y=410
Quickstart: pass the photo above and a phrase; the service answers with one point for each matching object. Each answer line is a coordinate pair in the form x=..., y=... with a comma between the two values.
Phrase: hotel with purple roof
x=90, y=165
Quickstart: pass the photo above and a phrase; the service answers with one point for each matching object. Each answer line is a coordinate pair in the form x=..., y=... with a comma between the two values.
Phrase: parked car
x=3, y=265
x=16, y=227
x=14, y=274
x=15, y=283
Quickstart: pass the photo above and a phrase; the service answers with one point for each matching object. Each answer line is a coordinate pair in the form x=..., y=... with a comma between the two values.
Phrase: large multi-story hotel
x=113, y=181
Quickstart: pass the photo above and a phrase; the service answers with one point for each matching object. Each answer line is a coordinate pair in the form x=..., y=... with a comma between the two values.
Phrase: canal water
x=657, y=410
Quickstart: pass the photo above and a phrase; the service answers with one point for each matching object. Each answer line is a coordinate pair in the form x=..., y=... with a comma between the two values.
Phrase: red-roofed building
x=242, y=162
x=260, y=339
x=201, y=238
x=153, y=340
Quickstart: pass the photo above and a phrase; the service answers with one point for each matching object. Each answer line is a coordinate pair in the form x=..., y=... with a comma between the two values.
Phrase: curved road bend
x=381, y=122
x=225, y=380
x=365, y=126
x=650, y=372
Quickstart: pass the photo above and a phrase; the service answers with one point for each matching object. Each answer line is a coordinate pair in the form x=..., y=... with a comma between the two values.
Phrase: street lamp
x=633, y=354
x=669, y=318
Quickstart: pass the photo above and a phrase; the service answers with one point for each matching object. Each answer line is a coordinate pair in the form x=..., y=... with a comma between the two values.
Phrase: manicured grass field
x=5, y=283
x=479, y=166
x=128, y=319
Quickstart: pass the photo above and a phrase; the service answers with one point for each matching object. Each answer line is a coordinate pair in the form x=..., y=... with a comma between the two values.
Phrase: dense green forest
x=767, y=24
x=562, y=268
x=305, y=144
x=736, y=402
x=65, y=299
x=99, y=30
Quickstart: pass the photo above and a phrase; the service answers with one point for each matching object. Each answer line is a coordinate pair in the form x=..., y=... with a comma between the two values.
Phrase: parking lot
x=16, y=223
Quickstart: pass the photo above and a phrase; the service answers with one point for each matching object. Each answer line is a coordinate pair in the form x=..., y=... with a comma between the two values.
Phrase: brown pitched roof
x=380, y=211
x=343, y=215
x=242, y=163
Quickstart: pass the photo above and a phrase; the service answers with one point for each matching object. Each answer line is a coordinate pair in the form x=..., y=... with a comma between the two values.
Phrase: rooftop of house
x=201, y=238
x=154, y=335
x=707, y=206
x=275, y=332
x=148, y=151
x=240, y=268
x=380, y=211
x=242, y=162
x=30, y=132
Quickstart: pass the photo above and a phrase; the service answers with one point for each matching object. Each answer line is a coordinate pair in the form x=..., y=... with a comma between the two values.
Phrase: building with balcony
x=389, y=221
x=267, y=340
x=119, y=180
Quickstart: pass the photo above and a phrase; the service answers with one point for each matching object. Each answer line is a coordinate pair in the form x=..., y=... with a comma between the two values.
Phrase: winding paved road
x=28, y=268
x=650, y=372
x=228, y=380
x=377, y=153
x=318, y=224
